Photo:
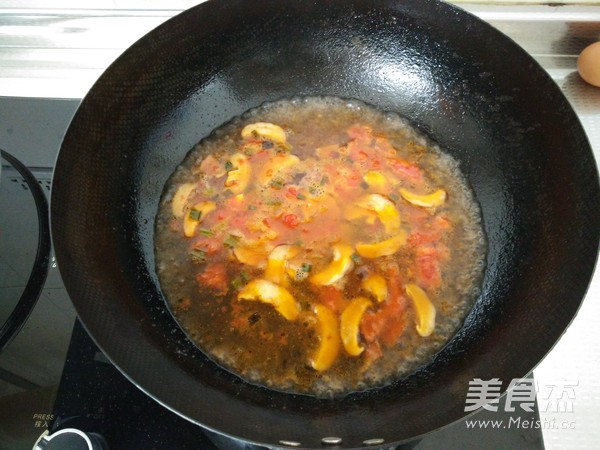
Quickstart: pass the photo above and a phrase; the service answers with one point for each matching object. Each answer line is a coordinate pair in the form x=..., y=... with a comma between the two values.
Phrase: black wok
x=467, y=86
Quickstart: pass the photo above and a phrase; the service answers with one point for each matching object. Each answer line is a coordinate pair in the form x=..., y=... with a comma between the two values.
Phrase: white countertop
x=58, y=53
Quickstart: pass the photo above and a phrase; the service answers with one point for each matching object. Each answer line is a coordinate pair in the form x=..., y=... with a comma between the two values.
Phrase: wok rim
x=77, y=290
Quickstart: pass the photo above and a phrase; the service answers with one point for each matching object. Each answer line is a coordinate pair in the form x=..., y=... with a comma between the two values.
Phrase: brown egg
x=588, y=64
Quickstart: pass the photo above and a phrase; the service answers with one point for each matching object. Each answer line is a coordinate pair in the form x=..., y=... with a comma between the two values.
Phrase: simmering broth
x=319, y=246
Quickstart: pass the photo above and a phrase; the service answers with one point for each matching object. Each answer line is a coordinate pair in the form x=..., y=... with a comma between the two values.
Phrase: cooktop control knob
x=71, y=439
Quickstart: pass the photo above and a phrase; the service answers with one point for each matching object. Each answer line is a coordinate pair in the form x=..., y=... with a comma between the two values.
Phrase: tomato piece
x=362, y=155
x=354, y=178
x=212, y=167
x=292, y=192
x=331, y=297
x=428, y=269
x=405, y=169
x=417, y=238
x=290, y=220
x=387, y=324
x=393, y=279
x=396, y=321
x=376, y=163
x=371, y=325
x=209, y=245
x=214, y=277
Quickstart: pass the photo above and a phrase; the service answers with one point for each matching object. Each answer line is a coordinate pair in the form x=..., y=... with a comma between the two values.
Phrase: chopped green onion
x=312, y=190
x=300, y=196
x=198, y=256
x=209, y=192
x=273, y=202
x=195, y=214
x=356, y=258
x=306, y=267
x=206, y=232
x=364, y=185
x=277, y=184
x=324, y=180
x=394, y=197
x=244, y=276
x=238, y=282
x=231, y=241
x=252, y=207
x=228, y=166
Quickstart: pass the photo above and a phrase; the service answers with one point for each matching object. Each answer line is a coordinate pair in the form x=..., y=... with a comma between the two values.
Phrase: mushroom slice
x=298, y=271
x=353, y=212
x=424, y=309
x=350, y=322
x=276, y=264
x=376, y=180
x=179, y=202
x=385, y=210
x=274, y=166
x=238, y=175
x=196, y=215
x=375, y=285
x=384, y=248
x=252, y=253
x=436, y=198
x=337, y=268
x=329, y=339
x=264, y=130
x=273, y=294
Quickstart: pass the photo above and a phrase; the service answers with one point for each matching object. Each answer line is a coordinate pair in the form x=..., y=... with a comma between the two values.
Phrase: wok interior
x=489, y=105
